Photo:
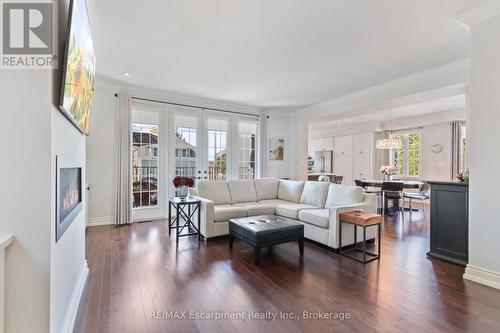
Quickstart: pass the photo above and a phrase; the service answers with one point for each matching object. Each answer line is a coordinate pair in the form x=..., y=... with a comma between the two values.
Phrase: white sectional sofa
x=315, y=204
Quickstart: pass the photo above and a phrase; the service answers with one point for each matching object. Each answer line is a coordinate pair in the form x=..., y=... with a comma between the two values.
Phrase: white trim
x=71, y=314
x=480, y=13
x=482, y=275
x=135, y=91
x=98, y=221
x=388, y=86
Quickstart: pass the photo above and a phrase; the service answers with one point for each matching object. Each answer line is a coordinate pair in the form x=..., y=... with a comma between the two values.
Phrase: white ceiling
x=280, y=54
x=389, y=115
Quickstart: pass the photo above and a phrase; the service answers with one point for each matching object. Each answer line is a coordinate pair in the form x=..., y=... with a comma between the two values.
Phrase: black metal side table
x=192, y=205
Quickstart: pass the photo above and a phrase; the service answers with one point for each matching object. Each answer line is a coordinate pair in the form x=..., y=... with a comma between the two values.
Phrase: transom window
x=407, y=159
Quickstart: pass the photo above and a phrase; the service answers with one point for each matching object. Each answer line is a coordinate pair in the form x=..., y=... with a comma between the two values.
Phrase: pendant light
x=389, y=143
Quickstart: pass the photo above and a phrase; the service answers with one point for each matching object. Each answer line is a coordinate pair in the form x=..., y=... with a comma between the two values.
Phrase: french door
x=170, y=140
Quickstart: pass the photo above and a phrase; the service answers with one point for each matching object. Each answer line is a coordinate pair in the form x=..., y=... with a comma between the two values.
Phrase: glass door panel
x=185, y=154
x=148, y=168
x=217, y=160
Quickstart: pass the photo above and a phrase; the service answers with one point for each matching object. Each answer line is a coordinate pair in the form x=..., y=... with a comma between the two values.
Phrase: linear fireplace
x=68, y=196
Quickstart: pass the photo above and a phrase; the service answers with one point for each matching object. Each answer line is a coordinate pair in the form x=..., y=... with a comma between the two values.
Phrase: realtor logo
x=28, y=35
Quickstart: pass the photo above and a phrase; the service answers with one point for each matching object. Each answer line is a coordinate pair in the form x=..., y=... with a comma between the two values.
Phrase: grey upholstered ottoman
x=266, y=231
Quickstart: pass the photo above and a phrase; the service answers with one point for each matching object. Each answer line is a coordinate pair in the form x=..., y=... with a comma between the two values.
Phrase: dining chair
x=421, y=195
x=359, y=182
x=392, y=191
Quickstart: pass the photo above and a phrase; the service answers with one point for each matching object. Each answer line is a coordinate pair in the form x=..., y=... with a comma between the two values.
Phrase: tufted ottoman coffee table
x=266, y=231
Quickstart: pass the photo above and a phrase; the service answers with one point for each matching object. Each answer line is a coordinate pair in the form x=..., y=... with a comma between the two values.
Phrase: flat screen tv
x=78, y=72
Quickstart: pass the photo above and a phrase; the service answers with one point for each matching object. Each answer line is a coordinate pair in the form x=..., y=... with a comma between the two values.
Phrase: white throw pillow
x=266, y=188
x=290, y=190
x=217, y=191
x=242, y=191
x=315, y=193
x=343, y=195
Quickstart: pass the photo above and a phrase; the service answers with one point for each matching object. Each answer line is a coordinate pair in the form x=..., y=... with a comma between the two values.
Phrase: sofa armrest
x=368, y=205
x=207, y=216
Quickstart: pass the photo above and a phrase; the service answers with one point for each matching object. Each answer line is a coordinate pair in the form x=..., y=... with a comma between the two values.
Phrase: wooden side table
x=364, y=221
x=180, y=205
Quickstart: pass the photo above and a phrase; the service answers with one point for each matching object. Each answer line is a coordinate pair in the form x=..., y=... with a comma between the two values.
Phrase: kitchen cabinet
x=322, y=144
x=343, y=161
x=363, y=155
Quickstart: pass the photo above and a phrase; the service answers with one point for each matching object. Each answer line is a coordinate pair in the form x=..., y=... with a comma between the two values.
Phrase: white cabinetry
x=353, y=157
x=363, y=156
x=321, y=144
x=343, y=160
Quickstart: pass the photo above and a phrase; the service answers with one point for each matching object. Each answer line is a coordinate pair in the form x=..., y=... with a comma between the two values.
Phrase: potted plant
x=182, y=184
x=388, y=171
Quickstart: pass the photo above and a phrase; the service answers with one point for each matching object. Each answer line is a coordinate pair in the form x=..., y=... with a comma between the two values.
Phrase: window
x=408, y=157
x=145, y=165
x=247, y=138
x=217, y=154
x=185, y=155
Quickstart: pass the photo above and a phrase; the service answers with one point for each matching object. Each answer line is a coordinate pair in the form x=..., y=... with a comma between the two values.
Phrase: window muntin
x=145, y=162
x=185, y=151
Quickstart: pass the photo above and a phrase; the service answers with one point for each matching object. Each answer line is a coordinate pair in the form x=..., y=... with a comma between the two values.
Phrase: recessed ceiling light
x=126, y=74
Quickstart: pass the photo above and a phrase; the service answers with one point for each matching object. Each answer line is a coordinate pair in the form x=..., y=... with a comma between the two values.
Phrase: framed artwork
x=79, y=68
x=276, y=149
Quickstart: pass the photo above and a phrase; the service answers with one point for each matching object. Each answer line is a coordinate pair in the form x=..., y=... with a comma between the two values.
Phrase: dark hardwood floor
x=137, y=270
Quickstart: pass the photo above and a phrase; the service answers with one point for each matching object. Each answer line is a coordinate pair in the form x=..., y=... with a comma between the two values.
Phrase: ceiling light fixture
x=126, y=74
x=389, y=143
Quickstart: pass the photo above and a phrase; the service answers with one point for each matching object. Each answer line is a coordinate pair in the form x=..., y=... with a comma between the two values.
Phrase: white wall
x=484, y=124
x=277, y=126
x=26, y=205
x=100, y=156
x=68, y=268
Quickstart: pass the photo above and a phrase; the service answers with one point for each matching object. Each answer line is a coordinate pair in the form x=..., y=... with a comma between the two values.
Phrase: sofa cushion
x=275, y=202
x=223, y=213
x=242, y=191
x=290, y=190
x=317, y=217
x=266, y=188
x=257, y=208
x=291, y=210
x=343, y=195
x=217, y=191
x=314, y=193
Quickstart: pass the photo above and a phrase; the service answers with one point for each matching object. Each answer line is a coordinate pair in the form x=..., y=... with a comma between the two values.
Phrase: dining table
x=378, y=183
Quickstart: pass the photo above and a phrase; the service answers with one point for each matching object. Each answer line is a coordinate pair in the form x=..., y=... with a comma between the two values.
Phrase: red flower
x=183, y=181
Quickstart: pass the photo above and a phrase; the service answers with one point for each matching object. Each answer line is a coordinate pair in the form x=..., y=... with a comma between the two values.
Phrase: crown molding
x=104, y=82
x=411, y=79
x=480, y=13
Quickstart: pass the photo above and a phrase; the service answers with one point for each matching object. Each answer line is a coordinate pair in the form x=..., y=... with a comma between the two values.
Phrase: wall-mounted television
x=78, y=72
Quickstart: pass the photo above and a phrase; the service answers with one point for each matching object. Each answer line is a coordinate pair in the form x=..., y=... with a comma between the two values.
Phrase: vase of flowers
x=324, y=178
x=388, y=171
x=182, y=185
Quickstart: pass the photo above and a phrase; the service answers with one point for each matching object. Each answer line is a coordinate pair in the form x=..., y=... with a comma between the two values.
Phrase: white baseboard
x=98, y=221
x=484, y=276
x=71, y=314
